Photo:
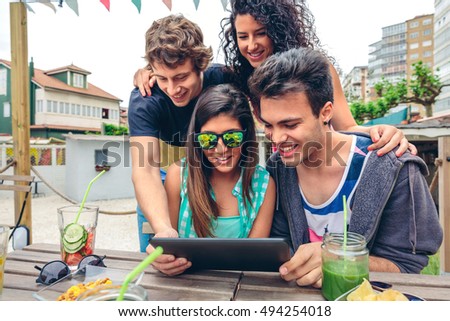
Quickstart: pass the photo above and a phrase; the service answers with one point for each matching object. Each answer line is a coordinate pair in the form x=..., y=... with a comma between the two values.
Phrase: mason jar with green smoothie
x=345, y=263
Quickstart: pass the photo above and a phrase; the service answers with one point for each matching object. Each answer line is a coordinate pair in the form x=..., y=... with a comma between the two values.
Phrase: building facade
x=419, y=40
x=442, y=53
x=355, y=84
x=61, y=101
x=402, y=45
x=387, y=58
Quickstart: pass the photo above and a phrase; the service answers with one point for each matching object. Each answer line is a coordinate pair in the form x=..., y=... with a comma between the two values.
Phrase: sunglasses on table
x=56, y=270
x=230, y=138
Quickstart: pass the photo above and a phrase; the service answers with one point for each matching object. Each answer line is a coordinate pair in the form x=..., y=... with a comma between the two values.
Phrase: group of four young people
x=218, y=190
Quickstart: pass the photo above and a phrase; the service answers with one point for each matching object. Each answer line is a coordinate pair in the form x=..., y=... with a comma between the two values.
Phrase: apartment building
x=387, y=58
x=442, y=53
x=419, y=40
x=402, y=45
x=61, y=101
x=355, y=84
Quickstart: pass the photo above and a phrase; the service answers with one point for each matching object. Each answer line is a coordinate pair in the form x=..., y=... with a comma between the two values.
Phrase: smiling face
x=224, y=159
x=253, y=42
x=182, y=84
x=291, y=125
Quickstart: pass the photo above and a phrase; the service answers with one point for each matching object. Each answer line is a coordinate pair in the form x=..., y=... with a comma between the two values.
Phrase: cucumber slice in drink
x=73, y=247
x=74, y=238
x=73, y=233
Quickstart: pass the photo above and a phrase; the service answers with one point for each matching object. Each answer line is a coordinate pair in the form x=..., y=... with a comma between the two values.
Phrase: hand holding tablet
x=249, y=254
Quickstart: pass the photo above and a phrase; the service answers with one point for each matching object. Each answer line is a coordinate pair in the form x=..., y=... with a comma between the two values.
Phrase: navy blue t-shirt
x=157, y=116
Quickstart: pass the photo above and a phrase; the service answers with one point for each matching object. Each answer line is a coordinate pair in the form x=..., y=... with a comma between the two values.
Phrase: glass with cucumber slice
x=77, y=226
x=77, y=236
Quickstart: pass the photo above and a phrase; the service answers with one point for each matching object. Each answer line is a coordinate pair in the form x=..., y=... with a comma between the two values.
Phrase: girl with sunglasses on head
x=219, y=190
x=256, y=29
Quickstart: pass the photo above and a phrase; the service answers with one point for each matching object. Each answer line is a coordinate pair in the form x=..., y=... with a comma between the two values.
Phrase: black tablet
x=250, y=254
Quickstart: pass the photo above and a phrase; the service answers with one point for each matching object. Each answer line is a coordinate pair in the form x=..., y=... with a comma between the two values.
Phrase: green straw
x=138, y=269
x=344, y=200
x=86, y=194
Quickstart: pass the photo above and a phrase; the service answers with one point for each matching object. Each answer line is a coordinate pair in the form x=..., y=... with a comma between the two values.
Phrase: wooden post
x=444, y=200
x=20, y=96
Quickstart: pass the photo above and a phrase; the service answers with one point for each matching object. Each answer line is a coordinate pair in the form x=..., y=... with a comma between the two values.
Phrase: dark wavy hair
x=289, y=24
x=298, y=70
x=217, y=100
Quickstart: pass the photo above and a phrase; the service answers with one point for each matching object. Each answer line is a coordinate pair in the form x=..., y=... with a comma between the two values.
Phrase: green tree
x=114, y=130
x=373, y=109
x=423, y=89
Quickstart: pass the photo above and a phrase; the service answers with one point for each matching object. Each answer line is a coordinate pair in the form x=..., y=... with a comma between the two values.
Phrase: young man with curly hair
x=181, y=64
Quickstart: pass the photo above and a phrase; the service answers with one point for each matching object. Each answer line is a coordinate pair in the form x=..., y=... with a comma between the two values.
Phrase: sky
x=111, y=44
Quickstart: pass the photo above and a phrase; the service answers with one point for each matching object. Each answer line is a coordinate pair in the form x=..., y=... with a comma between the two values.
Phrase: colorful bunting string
x=137, y=3
x=73, y=4
x=106, y=4
x=168, y=4
x=29, y=8
x=224, y=4
x=48, y=4
x=196, y=2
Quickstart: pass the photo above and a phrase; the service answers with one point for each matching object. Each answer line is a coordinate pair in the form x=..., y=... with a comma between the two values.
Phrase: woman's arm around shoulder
x=384, y=137
x=263, y=221
x=144, y=80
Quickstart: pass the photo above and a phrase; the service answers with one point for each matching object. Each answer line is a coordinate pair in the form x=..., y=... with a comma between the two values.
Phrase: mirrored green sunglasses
x=230, y=138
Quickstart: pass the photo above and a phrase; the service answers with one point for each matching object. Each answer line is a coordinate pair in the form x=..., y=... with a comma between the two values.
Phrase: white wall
x=80, y=167
x=50, y=118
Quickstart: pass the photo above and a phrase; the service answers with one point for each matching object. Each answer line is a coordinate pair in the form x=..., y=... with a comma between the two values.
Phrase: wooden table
x=20, y=276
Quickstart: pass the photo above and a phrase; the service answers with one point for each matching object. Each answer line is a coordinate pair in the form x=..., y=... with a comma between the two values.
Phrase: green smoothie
x=339, y=277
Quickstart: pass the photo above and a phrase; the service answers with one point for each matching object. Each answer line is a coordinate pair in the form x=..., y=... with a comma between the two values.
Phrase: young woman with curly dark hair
x=256, y=29
x=283, y=24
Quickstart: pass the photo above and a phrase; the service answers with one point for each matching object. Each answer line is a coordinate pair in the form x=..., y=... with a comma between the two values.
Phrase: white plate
x=411, y=297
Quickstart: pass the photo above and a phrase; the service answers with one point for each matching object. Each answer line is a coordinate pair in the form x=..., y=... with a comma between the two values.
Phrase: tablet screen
x=249, y=254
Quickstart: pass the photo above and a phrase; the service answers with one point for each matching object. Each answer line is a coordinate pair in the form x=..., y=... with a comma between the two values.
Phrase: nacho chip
x=365, y=292
x=391, y=295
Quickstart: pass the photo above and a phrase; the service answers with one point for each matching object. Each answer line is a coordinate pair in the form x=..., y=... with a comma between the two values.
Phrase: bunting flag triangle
x=196, y=2
x=137, y=3
x=224, y=4
x=29, y=7
x=73, y=4
x=48, y=4
x=106, y=4
x=168, y=4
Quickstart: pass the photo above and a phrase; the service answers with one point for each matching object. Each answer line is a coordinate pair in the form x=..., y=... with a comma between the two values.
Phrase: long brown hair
x=215, y=101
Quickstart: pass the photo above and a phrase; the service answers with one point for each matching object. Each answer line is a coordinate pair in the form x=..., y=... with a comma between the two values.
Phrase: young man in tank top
x=388, y=200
